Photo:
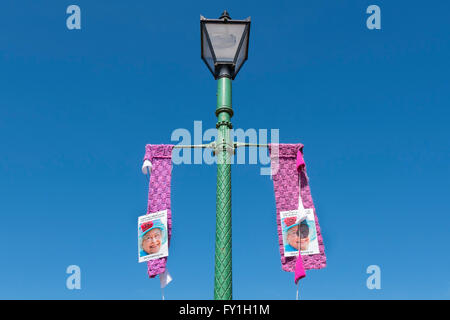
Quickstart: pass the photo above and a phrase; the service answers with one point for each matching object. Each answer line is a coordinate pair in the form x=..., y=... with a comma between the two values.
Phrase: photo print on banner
x=299, y=233
x=152, y=236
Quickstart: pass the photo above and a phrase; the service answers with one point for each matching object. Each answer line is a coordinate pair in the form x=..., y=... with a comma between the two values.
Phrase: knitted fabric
x=286, y=186
x=159, y=194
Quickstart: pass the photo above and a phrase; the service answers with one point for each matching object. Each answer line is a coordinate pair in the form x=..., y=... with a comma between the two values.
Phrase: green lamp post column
x=224, y=149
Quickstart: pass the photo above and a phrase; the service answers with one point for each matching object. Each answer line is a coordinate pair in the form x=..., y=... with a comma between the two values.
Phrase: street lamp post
x=224, y=49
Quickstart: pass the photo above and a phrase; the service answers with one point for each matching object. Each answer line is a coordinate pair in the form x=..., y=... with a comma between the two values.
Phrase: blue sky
x=77, y=108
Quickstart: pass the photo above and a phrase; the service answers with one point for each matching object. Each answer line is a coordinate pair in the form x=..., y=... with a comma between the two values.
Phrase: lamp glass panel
x=225, y=39
x=242, y=53
x=206, y=51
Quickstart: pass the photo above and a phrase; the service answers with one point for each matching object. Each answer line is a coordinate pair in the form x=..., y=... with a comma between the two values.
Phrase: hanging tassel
x=147, y=167
x=164, y=279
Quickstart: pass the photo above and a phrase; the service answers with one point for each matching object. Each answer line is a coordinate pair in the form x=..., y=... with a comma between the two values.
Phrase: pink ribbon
x=299, y=269
x=300, y=160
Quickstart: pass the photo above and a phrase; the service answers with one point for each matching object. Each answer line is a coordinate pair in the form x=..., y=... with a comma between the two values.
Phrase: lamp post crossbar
x=212, y=145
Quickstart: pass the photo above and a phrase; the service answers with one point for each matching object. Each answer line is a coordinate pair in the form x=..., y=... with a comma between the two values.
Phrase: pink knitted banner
x=286, y=185
x=159, y=194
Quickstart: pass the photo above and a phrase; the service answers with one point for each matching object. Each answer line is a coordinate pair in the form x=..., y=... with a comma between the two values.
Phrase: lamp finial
x=225, y=16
